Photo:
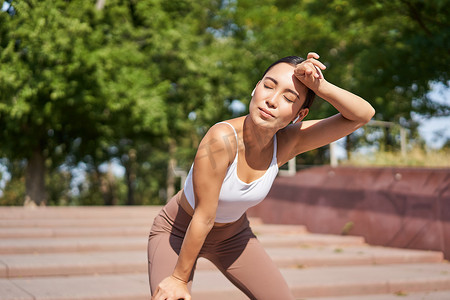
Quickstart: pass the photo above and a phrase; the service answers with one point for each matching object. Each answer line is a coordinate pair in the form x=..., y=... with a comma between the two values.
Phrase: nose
x=271, y=102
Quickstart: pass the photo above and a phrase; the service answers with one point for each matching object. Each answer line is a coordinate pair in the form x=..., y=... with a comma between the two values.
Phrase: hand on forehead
x=282, y=75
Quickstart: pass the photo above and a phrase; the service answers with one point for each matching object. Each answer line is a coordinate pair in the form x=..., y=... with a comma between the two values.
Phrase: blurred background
x=104, y=102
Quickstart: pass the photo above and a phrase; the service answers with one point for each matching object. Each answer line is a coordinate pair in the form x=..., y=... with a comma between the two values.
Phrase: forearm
x=351, y=106
x=193, y=242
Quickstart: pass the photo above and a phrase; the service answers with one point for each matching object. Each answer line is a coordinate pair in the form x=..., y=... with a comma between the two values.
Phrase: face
x=278, y=98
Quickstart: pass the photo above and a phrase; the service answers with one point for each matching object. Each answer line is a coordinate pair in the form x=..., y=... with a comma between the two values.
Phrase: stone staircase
x=100, y=253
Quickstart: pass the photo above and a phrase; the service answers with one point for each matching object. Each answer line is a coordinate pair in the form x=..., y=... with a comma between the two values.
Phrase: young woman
x=234, y=168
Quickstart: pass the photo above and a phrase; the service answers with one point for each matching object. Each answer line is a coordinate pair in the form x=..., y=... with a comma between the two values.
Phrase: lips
x=265, y=113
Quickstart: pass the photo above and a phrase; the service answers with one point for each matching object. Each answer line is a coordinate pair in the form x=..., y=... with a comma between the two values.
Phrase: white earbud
x=253, y=92
x=296, y=119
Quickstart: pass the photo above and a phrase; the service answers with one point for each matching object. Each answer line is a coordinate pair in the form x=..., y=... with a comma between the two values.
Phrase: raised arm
x=354, y=111
x=210, y=165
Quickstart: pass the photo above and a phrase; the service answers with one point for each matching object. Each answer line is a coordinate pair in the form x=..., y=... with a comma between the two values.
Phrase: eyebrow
x=289, y=90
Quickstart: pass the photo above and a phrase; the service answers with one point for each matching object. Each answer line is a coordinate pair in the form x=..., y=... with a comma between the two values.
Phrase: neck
x=256, y=137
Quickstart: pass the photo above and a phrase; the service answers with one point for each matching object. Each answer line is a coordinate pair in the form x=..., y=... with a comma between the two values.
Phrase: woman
x=233, y=169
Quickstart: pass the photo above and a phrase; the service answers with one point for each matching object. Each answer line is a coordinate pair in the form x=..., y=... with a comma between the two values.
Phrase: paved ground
x=100, y=253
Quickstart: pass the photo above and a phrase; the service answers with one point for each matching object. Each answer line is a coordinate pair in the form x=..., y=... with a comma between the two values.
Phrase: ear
x=253, y=92
x=301, y=115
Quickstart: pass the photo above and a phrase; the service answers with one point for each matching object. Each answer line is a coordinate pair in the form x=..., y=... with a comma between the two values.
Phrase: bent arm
x=209, y=170
x=354, y=111
x=349, y=105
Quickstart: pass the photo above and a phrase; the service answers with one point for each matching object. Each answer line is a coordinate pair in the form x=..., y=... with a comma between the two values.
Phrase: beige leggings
x=233, y=248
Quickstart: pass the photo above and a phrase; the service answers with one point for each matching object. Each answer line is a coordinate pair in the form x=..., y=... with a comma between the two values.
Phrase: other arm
x=354, y=111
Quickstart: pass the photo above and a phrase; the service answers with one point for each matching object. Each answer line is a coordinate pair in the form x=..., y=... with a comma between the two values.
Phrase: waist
x=184, y=204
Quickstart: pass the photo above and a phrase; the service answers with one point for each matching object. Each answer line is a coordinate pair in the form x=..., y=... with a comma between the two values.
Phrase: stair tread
x=348, y=280
x=309, y=282
x=46, y=264
x=100, y=253
x=431, y=295
x=8, y=213
x=114, y=243
x=121, y=227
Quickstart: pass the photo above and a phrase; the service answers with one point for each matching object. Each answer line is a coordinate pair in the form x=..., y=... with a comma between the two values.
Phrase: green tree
x=60, y=92
x=109, y=78
x=389, y=52
x=47, y=81
x=201, y=64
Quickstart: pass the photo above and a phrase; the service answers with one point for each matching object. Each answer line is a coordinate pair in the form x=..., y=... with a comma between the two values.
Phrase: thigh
x=163, y=251
x=161, y=259
x=164, y=243
x=254, y=273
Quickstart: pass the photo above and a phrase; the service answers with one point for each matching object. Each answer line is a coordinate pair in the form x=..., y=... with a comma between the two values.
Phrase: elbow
x=366, y=115
x=205, y=220
x=363, y=117
x=209, y=222
x=369, y=115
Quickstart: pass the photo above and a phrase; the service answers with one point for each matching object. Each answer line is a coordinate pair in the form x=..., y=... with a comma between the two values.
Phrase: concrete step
x=399, y=295
x=112, y=227
x=85, y=244
x=55, y=232
x=310, y=239
x=100, y=253
x=96, y=243
x=305, y=283
x=75, y=223
x=350, y=255
x=339, y=281
x=111, y=287
x=69, y=264
x=117, y=262
x=77, y=212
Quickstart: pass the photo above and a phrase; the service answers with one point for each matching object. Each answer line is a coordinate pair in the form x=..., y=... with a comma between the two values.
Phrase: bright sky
x=5, y=6
x=436, y=131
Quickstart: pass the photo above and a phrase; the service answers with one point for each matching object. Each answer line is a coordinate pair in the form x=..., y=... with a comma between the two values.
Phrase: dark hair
x=294, y=61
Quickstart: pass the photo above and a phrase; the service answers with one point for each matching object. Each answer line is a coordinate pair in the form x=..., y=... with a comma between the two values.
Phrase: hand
x=172, y=288
x=309, y=72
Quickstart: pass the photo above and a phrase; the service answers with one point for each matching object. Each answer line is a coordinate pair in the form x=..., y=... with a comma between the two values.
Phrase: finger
x=159, y=295
x=313, y=55
x=309, y=70
x=299, y=71
x=319, y=73
x=155, y=294
x=312, y=70
x=317, y=63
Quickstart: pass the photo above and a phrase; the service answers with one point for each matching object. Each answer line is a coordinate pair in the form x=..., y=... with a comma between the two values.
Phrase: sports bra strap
x=275, y=147
x=235, y=133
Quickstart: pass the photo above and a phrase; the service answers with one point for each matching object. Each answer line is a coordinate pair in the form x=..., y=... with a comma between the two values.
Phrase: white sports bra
x=235, y=195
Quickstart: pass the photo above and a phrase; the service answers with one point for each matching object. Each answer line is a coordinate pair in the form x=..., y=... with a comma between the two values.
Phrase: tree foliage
x=139, y=82
x=389, y=52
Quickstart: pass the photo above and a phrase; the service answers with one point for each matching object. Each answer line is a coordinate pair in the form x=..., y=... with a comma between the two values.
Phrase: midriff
x=183, y=202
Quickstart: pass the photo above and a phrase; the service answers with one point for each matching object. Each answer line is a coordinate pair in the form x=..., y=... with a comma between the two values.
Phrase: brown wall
x=397, y=207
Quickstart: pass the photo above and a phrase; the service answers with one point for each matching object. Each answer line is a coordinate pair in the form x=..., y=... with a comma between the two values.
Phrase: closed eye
x=289, y=100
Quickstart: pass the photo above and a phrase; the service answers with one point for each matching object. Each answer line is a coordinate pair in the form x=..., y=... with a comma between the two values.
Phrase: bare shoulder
x=219, y=144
